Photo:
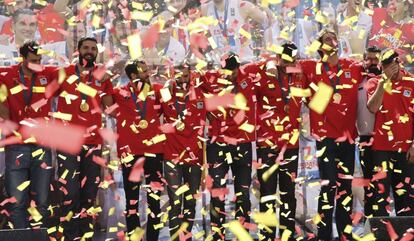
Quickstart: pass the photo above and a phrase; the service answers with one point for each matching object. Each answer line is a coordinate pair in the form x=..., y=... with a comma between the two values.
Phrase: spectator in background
x=25, y=25
x=353, y=28
x=50, y=23
x=393, y=27
x=5, y=21
x=233, y=30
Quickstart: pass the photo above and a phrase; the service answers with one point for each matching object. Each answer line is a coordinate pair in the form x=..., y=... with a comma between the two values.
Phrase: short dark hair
x=231, y=61
x=290, y=49
x=372, y=49
x=83, y=39
x=132, y=67
x=29, y=46
x=22, y=11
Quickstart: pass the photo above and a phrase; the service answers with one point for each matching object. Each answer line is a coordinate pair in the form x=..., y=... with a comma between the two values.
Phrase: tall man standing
x=334, y=131
x=27, y=161
x=81, y=96
x=390, y=99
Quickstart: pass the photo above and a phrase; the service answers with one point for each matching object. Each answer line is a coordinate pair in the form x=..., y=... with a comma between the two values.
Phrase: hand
x=410, y=155
x=391, y=70
x=271, y=69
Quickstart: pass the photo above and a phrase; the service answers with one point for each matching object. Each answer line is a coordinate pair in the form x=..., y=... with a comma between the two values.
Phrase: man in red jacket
x=390, y=98
x=81, y=95
x=25, y=89
x=185, y=120
x=138, y=126
x=278, y=124
x=231, y=133
x=335, y=131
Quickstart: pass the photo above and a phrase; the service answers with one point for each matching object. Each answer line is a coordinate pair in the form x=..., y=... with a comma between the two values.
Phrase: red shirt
x=394, y=120
x=339, y=119
x=91, y=119
x=49, y=22
x=278, y=117
x=133, y=139
x=39, y=106
x=185, y=146
x=399, y=36
x=226, y=129
x=17, y=103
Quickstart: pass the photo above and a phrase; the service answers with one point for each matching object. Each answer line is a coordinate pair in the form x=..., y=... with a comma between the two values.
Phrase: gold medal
x=143, y=124
x=84, y=107
x=180, y=126
x=337, y=98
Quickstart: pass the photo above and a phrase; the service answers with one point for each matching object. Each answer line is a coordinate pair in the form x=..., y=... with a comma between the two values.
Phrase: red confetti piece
x=216, y=101
x=151, y=36
x=379, y=176
x=36, y=67
x=391, y=232
x=108, y=135
x=137, y=170
x=292, y=3
x=99, y=160
x=50, y=135
x=99, y=73
x=51, y=88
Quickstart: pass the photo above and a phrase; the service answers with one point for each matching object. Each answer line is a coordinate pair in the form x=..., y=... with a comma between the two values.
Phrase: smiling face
x=25, y=27
x=88, y=52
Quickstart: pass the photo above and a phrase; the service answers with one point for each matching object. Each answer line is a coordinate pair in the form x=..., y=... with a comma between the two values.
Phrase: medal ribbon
x=83, y=96
x=142, y=110
x=333, y=84
x=27, y=96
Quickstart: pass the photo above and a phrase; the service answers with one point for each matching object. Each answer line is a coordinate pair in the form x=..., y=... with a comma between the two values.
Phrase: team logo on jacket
x=43, y=81
x=200, y=105
x=98, y=83
x=348, y=74
x=244, y=85
x=407, y=93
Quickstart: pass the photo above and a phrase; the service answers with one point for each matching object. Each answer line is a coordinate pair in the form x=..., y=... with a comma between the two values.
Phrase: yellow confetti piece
x=268, y=218
x=229, y=158
x=71, y=78
x=61, y=116
x=286, y=235
x=34, y=213
x=239, y=231
x=245, y=33
x=295, y=137
x=87, y=90
x=299, y=92
x=96, y=20
x=321, y=98
x=3, y=93
x=16, y=89
x=134, y=46
x=348, y=229
x=346, y=201
x=37, y=152
x=247, y=127
x=212, y=43
x=41, y=2
x=184, y=188
x=39, y=89
x=113, y=229
x=87, y=235
x=142, y=15
x=165, y=94
x=270, y=171
x=23, y=185
x=51, y=230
